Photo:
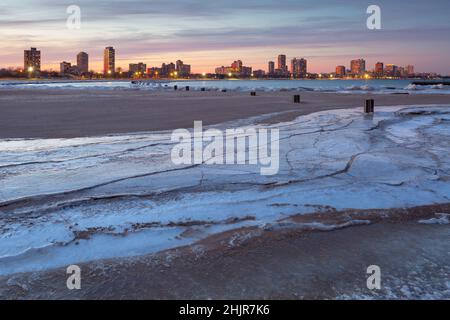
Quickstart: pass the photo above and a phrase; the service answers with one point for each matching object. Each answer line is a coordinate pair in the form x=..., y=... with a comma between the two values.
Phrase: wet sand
x=76, y=113
x=288, y=262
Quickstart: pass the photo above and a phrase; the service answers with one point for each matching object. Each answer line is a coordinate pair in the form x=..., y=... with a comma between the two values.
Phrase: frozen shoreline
x=333, y=86
x=284, y=263
x=120, y=196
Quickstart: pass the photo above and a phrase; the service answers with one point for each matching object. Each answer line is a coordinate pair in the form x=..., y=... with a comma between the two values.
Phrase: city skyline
x=298, y=67
x=282, y=67
x=207, y=35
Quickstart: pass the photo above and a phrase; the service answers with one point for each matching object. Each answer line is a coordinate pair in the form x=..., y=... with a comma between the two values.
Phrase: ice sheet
x=65, y=201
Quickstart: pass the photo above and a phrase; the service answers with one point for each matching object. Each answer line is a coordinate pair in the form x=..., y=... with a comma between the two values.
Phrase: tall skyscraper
x=302, y=68
x=358, y=67
x=109, y=60
x=282, y=63
x=32, y=60
x=379, y=68
x=299, y=68
x=294, y=66
x=271, y=68
x=340, y=71
x=83, y=62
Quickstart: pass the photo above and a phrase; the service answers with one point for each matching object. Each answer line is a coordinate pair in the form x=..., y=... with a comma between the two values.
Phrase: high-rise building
x=340, y=71
x=403, y=72
x=299, y=68
x=302, y=68
x=168, y=69
x=271, y=68
x=294, y=66
x=154, y=72
x=65, y=67
x=236, y=69
x=379, y=69
x=32, y=60
x=246, y=71
x=137, y=68
x=391, y=70
x=109, y=60
x=224, y=70
x=83, y=62
x=410, y=69
x=358, y=67
x=259, y=73
x=237, y=66
x=184, y=70
x=179, y=65
x=282, y=63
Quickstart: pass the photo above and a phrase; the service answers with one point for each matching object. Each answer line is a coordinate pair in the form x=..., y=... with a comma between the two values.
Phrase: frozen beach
x=329, y=85
x=66, y=201
x=105, y=195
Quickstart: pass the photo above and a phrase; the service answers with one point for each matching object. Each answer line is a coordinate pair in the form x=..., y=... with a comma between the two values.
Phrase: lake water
x=343, y=86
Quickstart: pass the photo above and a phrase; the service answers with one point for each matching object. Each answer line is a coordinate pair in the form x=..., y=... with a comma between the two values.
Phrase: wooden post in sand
x=369, y=106
x=175, y=87
x=253, y=94
x=187, y=88
x=297, y=98
x=224, y=90
x=203, y=89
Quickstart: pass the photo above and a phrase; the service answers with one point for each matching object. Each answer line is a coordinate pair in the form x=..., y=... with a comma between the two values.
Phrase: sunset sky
x=213, y=33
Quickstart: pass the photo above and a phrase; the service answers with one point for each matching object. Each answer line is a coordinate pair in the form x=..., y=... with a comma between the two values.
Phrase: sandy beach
x=80, y=113
x=141, y=228
x=290, y=262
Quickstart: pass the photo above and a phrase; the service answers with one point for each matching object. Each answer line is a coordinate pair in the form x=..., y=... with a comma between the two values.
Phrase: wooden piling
x=369, y=106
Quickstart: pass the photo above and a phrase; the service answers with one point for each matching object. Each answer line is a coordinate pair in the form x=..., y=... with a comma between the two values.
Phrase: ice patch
x=443, y=218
